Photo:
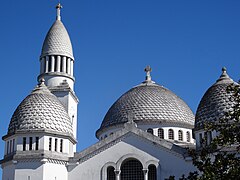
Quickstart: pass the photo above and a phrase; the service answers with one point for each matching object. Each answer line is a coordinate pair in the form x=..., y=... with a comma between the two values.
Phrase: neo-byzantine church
x=144, y=135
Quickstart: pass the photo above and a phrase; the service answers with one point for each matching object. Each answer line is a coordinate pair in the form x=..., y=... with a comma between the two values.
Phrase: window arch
x=152, y=172
x=161, y=133
x=200, y=140
x=180, y=135
x=188, y=136
x=110, y=173
x=132, y=169
x=170, y=134
x=150, y=130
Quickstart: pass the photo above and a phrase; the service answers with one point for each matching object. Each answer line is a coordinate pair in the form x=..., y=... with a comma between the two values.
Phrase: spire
x=224, y=74
x=148, y=70
x=58, y=7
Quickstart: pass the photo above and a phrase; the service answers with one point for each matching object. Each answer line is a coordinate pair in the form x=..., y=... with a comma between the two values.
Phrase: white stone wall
x=28, y=171
x=202, y=133
x=35, y=171
x=169, y=162
x=155, y=128
x=8, y=171
x=66, y=148
x=70, y=103
x=52, y=171
x=67, y=145
x=52, y=81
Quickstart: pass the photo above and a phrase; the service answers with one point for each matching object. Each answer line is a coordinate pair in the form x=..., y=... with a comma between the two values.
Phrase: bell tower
x=56, y=67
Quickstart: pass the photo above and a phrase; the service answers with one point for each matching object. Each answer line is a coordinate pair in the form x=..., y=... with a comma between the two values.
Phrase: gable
x=132, y=144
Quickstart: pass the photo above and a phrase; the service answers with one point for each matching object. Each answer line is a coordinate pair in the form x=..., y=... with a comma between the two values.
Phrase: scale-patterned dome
x=57, y=41
x=41, y=111
x=215, y=102
x=149, y=103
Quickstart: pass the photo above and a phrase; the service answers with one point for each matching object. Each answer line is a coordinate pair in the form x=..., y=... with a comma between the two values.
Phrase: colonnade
x=61, y=64
x=118, y=174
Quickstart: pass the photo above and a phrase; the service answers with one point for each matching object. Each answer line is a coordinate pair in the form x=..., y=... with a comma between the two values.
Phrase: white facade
x=127, y=144
x=44, y=147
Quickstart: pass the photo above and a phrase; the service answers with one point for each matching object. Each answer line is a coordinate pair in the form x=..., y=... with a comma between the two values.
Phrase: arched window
x=200, y=140
x=209, y=137
x=161, y=133
x=180, y=135
x=170, y=134
x=152, y=172
x=132, y=169
x=149, y=130
x=110, y=173
x=188, y=136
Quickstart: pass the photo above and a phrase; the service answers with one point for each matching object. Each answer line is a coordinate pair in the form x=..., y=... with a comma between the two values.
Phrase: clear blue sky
x=186, y=43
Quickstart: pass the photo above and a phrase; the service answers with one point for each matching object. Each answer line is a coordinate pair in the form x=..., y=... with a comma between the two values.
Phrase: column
x=46, y=65
x=52, y=63
x=42, y=65
x=58, y=63
x=64, y=64
x=68, y=65
x=117, y=174
x=71, y=68
x=145, y=172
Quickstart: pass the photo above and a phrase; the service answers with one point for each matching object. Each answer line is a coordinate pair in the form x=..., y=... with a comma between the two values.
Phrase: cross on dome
x=148, y=70
x=59, y=7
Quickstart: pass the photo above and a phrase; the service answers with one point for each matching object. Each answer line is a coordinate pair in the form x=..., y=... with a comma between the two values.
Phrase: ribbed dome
x=149, y=103
x=215, y=102
x=41, y=111
x=57, y=41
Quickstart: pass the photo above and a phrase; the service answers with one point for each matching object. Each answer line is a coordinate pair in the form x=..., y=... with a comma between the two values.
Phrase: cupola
x=152, y=107
x=214, y=104
x=57, y=55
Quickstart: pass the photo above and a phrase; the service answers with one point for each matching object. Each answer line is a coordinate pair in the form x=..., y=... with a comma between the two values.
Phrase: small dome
x=215, y=102
x=149, y=103
x=57, y=41
x=41, y=111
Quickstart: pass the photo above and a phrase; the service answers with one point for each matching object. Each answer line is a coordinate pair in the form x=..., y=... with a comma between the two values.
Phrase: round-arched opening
x=180, y=135
x=170, y=134
x=152, y=172
x=132, y=169
x=150, y=130
x=161, y=133
x=188, y=136
x=110, y=173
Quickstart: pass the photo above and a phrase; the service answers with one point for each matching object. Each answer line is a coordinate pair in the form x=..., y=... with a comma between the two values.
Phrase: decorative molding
x=94, y=153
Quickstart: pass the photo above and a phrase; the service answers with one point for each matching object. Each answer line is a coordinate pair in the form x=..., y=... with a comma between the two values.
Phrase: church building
x=145, y=135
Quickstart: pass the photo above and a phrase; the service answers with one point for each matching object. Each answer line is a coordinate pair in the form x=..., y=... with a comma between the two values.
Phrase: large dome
x=41, y=111
x=57, y=41
x=215, y=102
x=149, y=103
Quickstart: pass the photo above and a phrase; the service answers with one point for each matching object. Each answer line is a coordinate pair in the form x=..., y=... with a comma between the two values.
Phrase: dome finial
x=148, y=70
x=58, y=7
x=41, y=82
x=224, y=69
x=224, y=75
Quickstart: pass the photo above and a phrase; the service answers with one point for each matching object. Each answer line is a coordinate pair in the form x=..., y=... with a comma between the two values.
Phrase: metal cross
x=148, y=70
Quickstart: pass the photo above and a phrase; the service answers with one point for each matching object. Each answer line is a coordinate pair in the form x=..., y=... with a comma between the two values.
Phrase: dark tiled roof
x=215, y=102
x=41, y=110
x=149, y=102
x=57, y=41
